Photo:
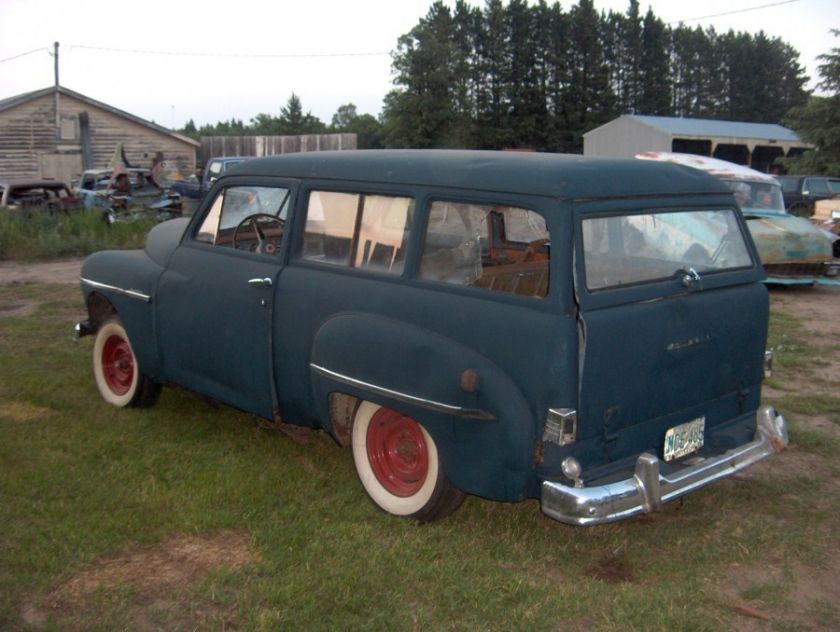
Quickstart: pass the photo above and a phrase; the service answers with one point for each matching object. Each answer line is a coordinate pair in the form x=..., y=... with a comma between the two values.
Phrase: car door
x=214, y=301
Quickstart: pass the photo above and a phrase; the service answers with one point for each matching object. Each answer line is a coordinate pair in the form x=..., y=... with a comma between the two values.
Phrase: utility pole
x=57, y=111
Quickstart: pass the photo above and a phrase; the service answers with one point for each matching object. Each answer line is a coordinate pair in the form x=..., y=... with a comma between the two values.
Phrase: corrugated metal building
x=56, y=133
x=753, y=144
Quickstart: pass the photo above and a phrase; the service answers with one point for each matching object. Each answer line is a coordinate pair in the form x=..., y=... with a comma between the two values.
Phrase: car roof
x=572, y=177
x=719, y=168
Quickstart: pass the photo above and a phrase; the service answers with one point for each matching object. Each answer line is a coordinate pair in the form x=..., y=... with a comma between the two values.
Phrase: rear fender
x=473, y=410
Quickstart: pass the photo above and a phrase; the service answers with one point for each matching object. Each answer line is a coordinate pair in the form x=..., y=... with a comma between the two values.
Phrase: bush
x=38, y=235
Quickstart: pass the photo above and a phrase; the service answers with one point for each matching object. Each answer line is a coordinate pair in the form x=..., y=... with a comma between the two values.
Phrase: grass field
x=189, y=516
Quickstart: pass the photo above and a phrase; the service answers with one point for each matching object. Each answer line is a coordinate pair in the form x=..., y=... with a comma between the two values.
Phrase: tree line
x=532, y=75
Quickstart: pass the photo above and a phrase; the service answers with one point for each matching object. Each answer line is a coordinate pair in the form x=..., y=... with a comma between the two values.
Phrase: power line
x=29, y=52
x=224, y=55
x=717, y=15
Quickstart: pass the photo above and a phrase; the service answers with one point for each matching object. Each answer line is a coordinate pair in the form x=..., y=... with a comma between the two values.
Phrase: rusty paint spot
x=469, y=381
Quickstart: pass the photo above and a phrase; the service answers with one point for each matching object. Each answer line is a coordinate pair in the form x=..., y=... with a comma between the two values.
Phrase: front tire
x=399, y=467
x=116, y=371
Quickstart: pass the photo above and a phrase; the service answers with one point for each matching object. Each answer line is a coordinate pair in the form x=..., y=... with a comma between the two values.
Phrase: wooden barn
x=57, y=133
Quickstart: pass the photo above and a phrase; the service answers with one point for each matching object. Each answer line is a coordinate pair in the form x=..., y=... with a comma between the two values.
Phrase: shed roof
x=709, y=127
x=555, y=175
x=11, y=102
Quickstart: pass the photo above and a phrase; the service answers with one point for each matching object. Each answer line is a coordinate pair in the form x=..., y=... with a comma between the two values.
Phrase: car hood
x=788, y=239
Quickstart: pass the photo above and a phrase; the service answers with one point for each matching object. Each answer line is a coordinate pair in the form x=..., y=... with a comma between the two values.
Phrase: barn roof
x=709, y=127
x=16, y=100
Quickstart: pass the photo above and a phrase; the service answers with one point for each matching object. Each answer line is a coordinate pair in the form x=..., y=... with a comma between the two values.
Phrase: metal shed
x=756, y=145
x=57, y=133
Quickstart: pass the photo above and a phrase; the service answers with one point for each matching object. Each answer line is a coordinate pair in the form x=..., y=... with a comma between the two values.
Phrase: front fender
x=127, y=280
x=482, y=427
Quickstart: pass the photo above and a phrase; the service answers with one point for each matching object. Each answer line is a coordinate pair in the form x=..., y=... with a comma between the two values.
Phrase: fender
x=127, y=280
x=482, y=427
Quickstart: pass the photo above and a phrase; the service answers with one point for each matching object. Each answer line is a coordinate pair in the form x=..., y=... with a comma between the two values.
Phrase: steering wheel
x=263, y=244
x=532, y=248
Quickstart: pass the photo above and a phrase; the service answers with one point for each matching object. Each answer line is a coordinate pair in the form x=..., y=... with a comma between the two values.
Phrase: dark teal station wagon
x=589, y=332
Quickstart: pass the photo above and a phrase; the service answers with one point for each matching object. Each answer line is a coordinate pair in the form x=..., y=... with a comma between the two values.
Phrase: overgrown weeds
x=39, y=235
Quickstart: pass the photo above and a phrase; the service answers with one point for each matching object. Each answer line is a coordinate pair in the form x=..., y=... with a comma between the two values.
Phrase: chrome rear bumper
x=648, y=489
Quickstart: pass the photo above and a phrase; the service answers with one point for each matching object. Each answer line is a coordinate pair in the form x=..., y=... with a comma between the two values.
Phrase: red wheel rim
x=117, y=364
x=397, y=452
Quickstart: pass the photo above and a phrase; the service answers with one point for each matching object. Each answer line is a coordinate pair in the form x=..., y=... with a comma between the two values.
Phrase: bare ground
x=66, y=271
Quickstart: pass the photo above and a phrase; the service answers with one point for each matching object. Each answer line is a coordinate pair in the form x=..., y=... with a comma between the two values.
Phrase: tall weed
x=39, y=235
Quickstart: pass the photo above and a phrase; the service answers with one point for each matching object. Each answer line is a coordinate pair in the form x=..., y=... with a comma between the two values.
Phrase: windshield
x=628, y=249
x=765, y=196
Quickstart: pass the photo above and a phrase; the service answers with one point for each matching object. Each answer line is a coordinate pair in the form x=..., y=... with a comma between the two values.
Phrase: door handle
x=266, y=282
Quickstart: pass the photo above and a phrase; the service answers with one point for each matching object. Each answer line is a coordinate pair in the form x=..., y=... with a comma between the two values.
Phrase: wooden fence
x=212, y=146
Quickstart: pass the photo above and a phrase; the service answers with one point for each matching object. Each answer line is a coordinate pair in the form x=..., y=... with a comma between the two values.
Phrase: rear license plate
x=684, y=439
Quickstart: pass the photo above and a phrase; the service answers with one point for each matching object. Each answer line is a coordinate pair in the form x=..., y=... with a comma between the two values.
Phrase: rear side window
x=494, y=247
x=628, y=249
x=358, y=230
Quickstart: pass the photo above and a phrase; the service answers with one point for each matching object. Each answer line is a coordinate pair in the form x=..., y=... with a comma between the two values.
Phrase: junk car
x=793, y=250
x=126, y=190
x=26, y=194
x=588, y=332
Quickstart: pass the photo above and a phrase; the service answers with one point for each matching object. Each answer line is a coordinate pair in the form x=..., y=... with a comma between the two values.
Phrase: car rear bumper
x=648, y=489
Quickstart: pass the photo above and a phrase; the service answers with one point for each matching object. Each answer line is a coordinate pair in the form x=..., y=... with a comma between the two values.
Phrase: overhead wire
x=223, y=55
x=29, y=52
x=733, y=12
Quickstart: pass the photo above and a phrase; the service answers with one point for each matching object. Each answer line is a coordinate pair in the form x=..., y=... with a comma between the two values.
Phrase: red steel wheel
x=116, y=371
x=398, y=464
x=397, y=452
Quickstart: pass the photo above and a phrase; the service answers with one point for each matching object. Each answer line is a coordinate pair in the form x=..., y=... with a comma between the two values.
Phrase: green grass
x=81, y=481
x=39, y=235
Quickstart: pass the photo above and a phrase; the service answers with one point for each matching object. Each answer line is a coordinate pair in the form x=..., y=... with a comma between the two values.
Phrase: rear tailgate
x=673, y=324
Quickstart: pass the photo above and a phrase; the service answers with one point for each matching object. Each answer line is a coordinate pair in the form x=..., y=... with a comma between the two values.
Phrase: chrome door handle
x=266, y=282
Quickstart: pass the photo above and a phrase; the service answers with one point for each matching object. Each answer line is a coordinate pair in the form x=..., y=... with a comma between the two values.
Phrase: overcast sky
x=328, y=53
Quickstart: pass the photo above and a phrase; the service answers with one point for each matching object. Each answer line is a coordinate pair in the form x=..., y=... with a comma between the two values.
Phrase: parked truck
x=195, y=188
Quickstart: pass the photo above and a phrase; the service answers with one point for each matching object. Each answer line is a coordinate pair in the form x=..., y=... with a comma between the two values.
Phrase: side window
x=246, y=218
x=816, y=186
x=358, y=230
x=494, y=247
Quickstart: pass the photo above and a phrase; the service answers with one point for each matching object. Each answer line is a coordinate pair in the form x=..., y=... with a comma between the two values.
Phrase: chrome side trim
x=449, y=409
x=648, y=489
x=117, y=290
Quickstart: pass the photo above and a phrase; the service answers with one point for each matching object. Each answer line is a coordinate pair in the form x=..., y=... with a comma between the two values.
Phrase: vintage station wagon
x=589, y=332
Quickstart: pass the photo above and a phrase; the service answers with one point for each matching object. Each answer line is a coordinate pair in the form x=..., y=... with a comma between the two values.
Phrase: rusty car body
x=792, y=249
x=28, y=194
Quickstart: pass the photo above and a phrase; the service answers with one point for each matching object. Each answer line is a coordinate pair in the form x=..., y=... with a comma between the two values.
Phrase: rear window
x=629, y=249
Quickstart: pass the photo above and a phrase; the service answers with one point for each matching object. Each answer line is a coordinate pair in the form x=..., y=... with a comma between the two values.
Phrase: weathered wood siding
x=27, y=131
x=212, y=146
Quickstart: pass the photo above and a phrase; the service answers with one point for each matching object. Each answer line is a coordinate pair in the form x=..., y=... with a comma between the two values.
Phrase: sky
x=160, y=59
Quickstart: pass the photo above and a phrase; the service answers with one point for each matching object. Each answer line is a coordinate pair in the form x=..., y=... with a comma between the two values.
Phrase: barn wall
x=28, y=130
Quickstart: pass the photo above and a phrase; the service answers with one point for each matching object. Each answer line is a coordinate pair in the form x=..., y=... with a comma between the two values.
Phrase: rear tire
x=116, y=371
x=399, y=467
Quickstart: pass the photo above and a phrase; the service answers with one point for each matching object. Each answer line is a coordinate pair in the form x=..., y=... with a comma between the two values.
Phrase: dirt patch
x=152, y=586
x=66, y=271
x=795, y=595
x=613, y=569
x=18, y=308
x=24, y=411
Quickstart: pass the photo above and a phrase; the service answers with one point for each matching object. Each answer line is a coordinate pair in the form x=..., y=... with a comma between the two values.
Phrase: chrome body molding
x=440, y=407
x=648, y=489
x=140, y=296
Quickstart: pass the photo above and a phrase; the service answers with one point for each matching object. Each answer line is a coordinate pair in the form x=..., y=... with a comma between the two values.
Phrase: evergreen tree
x=818, y=121
x=655, y=97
